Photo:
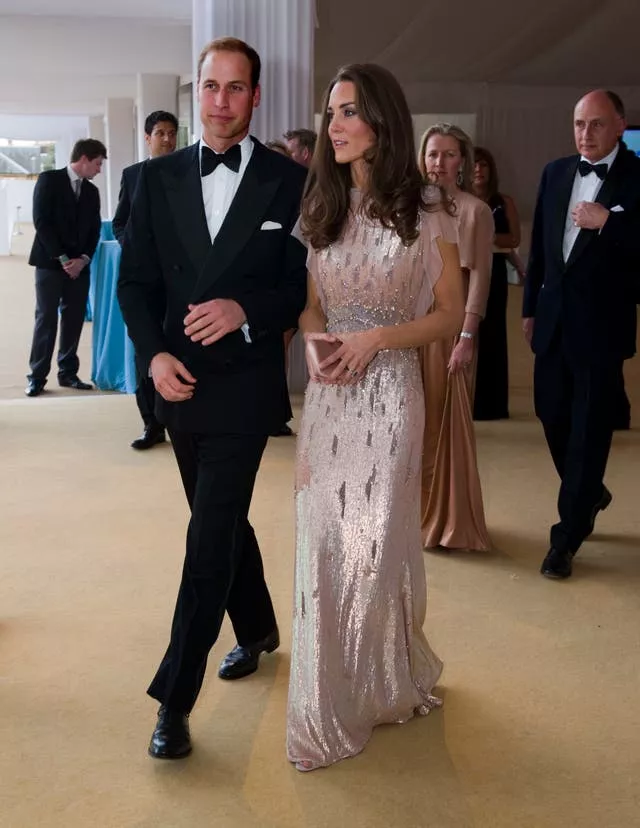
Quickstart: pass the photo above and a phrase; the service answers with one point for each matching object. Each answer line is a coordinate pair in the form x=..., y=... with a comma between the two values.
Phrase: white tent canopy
x=517, y=66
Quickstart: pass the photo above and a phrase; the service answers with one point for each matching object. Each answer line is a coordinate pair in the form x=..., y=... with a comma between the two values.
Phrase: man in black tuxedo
x=210, y=237
x=160, y=135
x=579, y=311
x=66, y=216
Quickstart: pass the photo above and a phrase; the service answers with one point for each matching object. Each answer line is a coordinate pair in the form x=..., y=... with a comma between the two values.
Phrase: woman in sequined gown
x=359, y=654
x=452, y=509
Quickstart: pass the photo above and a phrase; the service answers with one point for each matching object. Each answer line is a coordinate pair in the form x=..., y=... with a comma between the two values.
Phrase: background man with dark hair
x=211, y=231
x=301, y=144
x=160, y=135
x=580, y=312
x=66, y=216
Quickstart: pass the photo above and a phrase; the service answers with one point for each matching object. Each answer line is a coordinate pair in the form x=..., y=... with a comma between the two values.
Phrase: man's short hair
x=232, y=44
x=307, y=138
x=616, y=100
x=158, y=117
x=91, y=148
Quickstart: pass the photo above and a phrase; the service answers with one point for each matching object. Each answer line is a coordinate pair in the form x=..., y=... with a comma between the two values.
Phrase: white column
x=154, y=92
x=97, y=131
x=120, y=142
x=282, y=32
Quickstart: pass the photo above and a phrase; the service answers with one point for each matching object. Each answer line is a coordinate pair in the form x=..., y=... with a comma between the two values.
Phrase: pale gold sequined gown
x=359, y=655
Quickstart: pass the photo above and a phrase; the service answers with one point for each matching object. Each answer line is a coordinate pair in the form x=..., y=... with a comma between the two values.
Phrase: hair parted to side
x=307, y=138
x=465, y=145
x=91, y=148
x=160, y=116
x=233, y=44
x=394, y=194
x=482, y=154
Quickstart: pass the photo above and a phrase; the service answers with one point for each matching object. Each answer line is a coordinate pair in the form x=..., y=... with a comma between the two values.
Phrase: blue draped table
x=113, y=360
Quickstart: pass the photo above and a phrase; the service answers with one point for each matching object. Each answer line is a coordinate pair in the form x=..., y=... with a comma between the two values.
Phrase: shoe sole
x=169, y=756
x=554, y=576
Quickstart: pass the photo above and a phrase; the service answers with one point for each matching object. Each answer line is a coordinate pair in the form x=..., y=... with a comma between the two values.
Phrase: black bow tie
x=584, y=168
x=209, y=159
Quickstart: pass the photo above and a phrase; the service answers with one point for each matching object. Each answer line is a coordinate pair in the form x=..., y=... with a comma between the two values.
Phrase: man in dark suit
x=160, y=135
x=210, y=238
x=66, y=216
x=579, y=311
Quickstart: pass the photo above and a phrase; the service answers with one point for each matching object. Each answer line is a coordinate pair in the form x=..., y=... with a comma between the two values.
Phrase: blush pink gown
x=359, y=654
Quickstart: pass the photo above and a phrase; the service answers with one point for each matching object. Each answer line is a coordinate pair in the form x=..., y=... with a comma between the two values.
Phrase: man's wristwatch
x=466, y=335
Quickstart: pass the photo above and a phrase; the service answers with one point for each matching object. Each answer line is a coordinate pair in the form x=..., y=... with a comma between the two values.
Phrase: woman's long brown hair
x=394, y=192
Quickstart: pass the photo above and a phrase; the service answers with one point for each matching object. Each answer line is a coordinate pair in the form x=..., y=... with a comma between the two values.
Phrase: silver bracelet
x=466, y=335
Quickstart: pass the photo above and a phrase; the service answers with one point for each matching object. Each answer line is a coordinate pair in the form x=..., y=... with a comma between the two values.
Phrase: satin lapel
x=184, y=190
x=605, y=194
x=562, y=199
x=247, y=209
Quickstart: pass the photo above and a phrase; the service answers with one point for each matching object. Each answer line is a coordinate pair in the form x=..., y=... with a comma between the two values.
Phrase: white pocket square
x=617, y=209
x=271, y=225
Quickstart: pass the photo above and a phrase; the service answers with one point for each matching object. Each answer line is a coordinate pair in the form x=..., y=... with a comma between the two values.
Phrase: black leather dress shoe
x=601, y=505
x=283, y=431
x=557, y=564
x=34, y=388
x=151, y=436
x=74, y=382
x=242, y=661
x=171, y=738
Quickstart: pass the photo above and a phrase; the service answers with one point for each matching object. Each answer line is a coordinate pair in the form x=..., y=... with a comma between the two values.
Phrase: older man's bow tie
x=209, y=159
x=584, y=168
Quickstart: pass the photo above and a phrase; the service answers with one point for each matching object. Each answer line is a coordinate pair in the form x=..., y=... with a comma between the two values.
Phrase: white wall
x=47, y=56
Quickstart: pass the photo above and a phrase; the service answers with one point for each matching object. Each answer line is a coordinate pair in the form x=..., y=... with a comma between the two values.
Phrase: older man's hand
x=587, y=215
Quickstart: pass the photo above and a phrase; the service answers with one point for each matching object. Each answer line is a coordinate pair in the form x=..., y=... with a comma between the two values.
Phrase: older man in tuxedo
x=160, y=135
x=210, y=238
x=66, y=216
x=579, y=311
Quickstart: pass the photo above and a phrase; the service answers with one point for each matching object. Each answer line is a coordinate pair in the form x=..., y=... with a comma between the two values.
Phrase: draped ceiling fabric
x=519, y=65
x=283, y=34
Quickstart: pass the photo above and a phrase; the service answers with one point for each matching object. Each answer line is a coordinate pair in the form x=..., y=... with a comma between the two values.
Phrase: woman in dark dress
x=492, y=380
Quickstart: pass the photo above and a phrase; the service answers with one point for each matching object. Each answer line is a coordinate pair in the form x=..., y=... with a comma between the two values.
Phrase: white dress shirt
x=220, y=186
x=218, y=191
x=585, y=188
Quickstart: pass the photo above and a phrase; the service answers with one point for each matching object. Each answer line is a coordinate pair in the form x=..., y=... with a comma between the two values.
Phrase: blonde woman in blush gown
x=381, y=253
x=452, y=509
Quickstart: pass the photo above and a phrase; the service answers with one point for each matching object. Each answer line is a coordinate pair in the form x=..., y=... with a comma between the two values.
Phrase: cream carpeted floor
x=541, y=723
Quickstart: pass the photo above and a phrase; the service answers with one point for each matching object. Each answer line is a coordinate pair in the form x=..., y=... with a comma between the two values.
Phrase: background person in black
x=160, y=135
x=66, y=216
x=210, y=233
x=491, y=399
x=579, y=311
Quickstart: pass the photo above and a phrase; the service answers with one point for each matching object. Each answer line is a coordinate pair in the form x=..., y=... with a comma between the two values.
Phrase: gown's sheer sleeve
x=436, y=224
x=313, y=267
x=476, y=232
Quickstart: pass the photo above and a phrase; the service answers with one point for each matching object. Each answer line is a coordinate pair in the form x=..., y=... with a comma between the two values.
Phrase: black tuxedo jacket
x=128, y=184
x=590, y=300
x=168, y=261
x=63, y=224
